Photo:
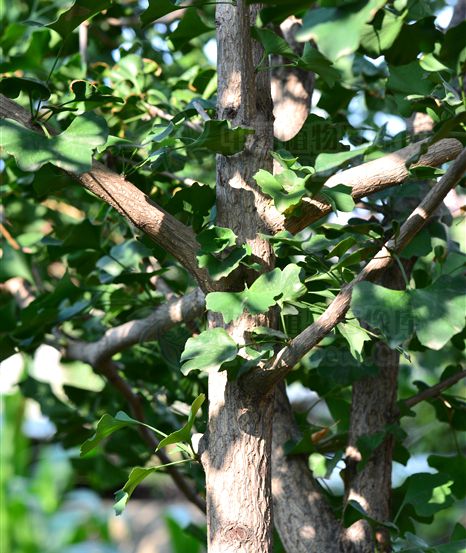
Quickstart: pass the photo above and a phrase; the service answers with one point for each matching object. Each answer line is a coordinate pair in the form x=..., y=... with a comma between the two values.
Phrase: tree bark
x=373, y=407
x=236, y=449
x=302, y=515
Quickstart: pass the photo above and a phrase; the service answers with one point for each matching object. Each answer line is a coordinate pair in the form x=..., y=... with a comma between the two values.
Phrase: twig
x=5, y=233
x=202, y=112
x=434, y=391
x=109, y=370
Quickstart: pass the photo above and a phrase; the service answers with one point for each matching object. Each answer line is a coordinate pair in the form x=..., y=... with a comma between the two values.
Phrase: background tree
x=120, y=251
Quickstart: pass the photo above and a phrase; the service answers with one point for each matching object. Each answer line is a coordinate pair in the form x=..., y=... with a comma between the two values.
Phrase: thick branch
x=369, y=178
x=335, y=312
x=121, y=337
x=178, y=239
x=434, y=391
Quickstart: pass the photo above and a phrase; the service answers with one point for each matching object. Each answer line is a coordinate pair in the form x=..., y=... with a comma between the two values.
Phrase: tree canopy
x=165, y=234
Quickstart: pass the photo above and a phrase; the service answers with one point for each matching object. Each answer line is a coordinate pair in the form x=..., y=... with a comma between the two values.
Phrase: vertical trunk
x=237, y=455
x=373, y=408
x=302, y=515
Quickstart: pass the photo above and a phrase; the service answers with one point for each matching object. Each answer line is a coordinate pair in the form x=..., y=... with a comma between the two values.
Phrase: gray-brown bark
x=373, y=407
x=291, y=87
x=302, y=515
x=236, y=449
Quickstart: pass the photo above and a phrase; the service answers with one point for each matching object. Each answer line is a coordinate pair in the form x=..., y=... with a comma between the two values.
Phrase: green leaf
x=208, y=351
x=409, y=79
x=106, y=426
x=184, y=434
x=454, y=466
x=356, y=336
x=221, y=267
x=13, y=86
x=354, y=512
x=84, y=91
x=337, y=31
x=435, y=312
x=327, y=161
x=272, y=43
x=122, y=258
x=219, y=138
x=313, y=60
x=71, y=150
x=428, y=493
x=379, y=35
x=216, y=239
x=190, y=26
x=439, y=311
x=286, y=188
x=385, y=309
x=339, y=197
x=81, y=10
x=136, y=476
x=156, y=10
x=275, y=287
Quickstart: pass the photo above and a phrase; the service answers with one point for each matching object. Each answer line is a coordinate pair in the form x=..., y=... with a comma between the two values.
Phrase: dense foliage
x=134, y=86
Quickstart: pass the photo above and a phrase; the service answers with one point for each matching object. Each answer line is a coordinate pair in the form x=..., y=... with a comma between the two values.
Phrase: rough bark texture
x=236, y=449
x=373, y=408
x=301, y=513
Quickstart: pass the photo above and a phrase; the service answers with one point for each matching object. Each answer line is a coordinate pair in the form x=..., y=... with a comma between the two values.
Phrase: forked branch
x=335, y=312
x=369, y=178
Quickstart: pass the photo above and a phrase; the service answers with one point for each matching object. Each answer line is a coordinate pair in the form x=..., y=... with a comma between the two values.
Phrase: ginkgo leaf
x=71, y=150
x=208, y=351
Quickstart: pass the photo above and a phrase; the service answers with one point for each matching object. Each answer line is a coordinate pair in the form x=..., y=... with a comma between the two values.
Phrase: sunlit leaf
x=184, y=433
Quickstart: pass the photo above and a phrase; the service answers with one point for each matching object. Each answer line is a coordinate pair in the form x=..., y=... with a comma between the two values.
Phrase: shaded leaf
x=435, y=312
x=13, y=86
x=337, y=31
x=208, y=351
x=71, y=150
x=313, y=60
x=218, y=137
x=156, y=10
x=190, y=26
x=339, y=197
x=81, y=10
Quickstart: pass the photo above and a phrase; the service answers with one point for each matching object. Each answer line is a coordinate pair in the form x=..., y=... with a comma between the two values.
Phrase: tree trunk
x=237, y=444
x=373, y=408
